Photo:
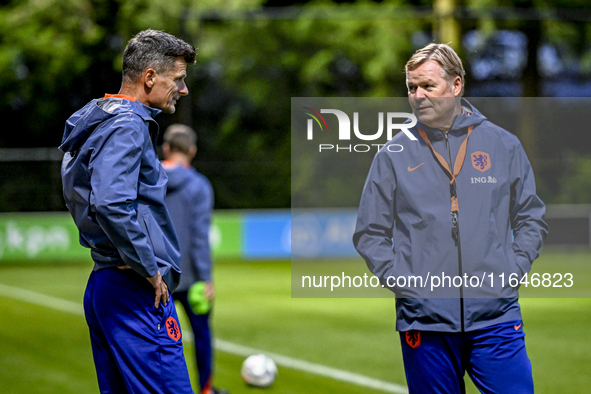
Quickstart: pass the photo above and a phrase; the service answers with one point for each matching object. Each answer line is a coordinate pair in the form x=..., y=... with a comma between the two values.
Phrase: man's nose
x=184, y=90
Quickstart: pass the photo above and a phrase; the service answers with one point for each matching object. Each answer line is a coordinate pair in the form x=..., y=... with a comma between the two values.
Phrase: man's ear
x=457, y=86
x=149, y=78
x=192, y=152
x=165, y=150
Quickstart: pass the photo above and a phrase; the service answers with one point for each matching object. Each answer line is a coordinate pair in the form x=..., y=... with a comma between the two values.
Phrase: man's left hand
x=209, y=291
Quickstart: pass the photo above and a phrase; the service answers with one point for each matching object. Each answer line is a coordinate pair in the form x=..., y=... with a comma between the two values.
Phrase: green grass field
x=44, y=344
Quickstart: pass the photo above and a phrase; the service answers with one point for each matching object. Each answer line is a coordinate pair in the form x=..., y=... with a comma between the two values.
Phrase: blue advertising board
x=299, y=234
x=267, y=235
x=323, y=233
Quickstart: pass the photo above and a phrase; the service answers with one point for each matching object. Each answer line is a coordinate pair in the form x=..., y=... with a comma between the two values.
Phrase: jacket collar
x=136, y=106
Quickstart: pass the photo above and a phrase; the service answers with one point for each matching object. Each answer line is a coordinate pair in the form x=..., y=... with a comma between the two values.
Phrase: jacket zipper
x=456, y=233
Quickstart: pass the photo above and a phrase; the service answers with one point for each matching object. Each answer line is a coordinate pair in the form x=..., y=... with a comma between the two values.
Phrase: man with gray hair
x=114, y=187
x=408, y=225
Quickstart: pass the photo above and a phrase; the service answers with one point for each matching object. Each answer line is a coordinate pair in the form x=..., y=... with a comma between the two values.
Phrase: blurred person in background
x=190, y=202
x=114, y=187
x=459, y=201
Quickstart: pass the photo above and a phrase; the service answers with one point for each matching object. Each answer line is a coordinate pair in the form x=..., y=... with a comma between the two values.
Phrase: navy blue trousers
x=495, y=359
x=202, y=335
x=137, y=348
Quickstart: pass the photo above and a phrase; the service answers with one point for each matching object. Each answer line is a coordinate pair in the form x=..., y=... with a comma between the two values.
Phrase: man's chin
x=426, y=120
x=169, y=110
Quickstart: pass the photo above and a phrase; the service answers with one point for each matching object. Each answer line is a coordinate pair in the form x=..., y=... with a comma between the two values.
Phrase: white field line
x=225, y=346
x=317, y=369
x=33, y=297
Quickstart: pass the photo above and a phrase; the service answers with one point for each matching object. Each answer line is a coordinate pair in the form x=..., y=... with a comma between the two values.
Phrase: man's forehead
x=429, y=70
x=180, y=63
x=179, y=67
x=422, y=78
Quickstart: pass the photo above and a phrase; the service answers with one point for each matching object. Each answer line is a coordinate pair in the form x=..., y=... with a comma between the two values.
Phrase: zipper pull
x=454, y=211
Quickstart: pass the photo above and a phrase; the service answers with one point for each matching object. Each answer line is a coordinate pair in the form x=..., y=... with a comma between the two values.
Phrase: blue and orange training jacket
x=405, y=225
x=114, y=187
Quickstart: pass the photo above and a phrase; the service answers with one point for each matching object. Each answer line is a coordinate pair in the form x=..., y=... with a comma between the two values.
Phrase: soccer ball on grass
x=259, y=370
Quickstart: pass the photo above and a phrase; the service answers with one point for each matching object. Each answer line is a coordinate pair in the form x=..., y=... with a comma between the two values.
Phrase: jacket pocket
x=152, y=231
x=515, y=269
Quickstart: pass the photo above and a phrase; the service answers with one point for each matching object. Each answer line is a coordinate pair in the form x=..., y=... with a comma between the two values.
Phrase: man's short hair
x=448, y=59
x=180, y=138
x=155, y=49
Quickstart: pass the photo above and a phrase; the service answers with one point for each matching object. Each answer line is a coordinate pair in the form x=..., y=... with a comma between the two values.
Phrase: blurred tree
x=258, y=63
x=446, y=26
x=563, y=25
x=42, y=49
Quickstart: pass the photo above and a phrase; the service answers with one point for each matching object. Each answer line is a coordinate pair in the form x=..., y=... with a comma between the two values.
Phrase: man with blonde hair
x=458, y=203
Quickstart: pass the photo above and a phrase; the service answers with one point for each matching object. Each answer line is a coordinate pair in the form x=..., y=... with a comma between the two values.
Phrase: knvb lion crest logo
x=173, y=329
x=480, y=161
x=413, y=338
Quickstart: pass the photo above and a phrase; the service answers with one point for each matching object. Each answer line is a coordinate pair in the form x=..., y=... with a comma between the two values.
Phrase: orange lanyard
x=459, y=162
